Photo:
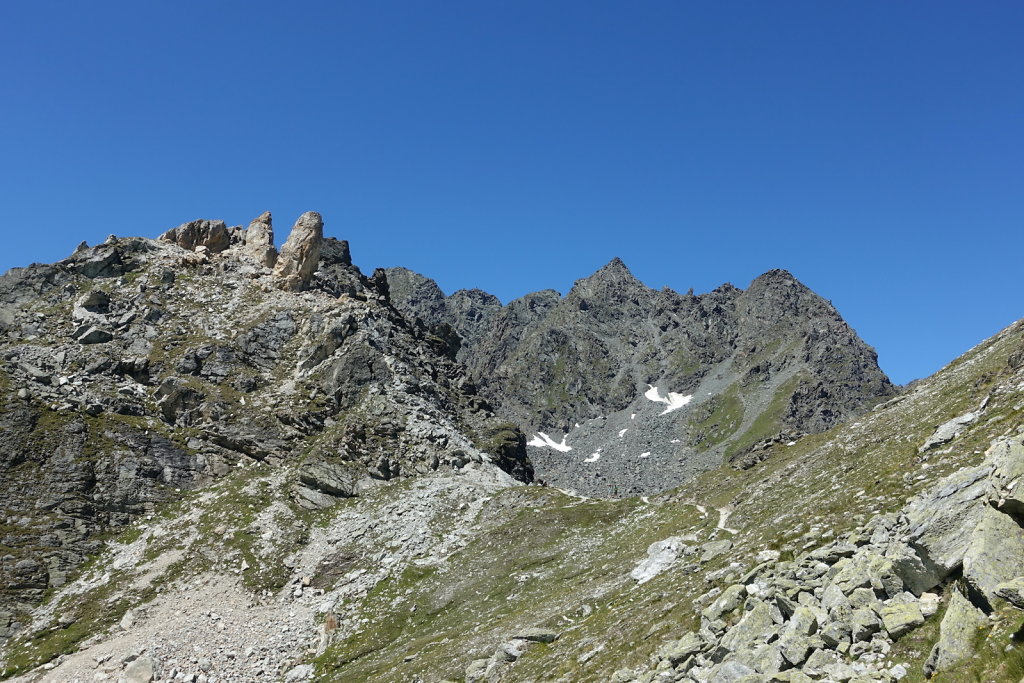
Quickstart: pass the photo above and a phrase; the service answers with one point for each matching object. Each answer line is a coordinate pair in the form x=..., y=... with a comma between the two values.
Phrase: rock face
x=732, y=371
x=259, y=241
x=213, y=236
x=300, y=254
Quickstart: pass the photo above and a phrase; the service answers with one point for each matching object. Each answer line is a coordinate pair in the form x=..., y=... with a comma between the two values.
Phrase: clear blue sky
x=875, y=149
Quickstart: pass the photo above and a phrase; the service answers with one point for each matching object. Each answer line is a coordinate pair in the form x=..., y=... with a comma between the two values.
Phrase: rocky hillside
x=224, y=463
x=138, y=369
x=627, y=390
x=886, y=548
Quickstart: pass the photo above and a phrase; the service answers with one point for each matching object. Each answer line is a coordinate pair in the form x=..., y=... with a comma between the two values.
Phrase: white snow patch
x=542, y=440
x=674, y=401
x=645, y=454
x=632, y=416
x=675, y=441
x=622, y=432
x=594, y=457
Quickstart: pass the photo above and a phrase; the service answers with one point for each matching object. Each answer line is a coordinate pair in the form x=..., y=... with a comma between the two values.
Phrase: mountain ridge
x=552, y=363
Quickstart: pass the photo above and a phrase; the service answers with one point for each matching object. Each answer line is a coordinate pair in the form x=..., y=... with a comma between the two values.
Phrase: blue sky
x=874, y=149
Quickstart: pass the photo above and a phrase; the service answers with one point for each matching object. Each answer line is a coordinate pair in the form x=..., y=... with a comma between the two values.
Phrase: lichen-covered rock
x=940, y=522
x=300, y=254
x=679, y=650
x=795, y=641
x=995, y=555
x=901, y=618
x=729, y=600
x=1008, y=477
x=957, y=634
x=755, y=628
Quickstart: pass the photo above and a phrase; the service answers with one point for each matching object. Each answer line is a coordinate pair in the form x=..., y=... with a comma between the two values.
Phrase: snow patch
x=594, y=457
x=622, y=432
x=542, y=440
x=632, y=416
x=674, y=401
x=645, y=454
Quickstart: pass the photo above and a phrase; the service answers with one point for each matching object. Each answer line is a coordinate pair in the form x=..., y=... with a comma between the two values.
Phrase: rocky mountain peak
x=751, y=365
x=614, y=280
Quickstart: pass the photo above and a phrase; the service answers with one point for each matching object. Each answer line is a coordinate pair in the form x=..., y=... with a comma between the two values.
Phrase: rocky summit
x=223, y=463
x=626, y=390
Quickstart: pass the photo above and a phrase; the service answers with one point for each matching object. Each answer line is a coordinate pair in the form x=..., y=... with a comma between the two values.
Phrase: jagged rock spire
x=300, y=253
x=259, y=241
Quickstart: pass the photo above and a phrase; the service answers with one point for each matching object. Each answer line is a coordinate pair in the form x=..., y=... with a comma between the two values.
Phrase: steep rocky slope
x=879, y=550
x=138, y=369
x=634, y=390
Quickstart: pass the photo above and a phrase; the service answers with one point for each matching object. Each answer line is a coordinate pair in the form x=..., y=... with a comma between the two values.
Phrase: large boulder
x=660, y=556
x=1008, y=477
x=213, y=235
x=957, y=634
x=259, y=241
x=995, y=555
x=948, y=431
x=300, y=254
x=940, y=522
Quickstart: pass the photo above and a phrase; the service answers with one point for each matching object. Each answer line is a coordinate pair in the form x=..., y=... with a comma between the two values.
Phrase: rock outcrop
x=212, y=236
x=300, y=254
x=835, y=611
x=259, y=241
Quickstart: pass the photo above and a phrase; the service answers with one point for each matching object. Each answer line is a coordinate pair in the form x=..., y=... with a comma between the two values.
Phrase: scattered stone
x=92, y=335
x=538, y=635
x=141, y=670
x=948, y=431
x=713, y=549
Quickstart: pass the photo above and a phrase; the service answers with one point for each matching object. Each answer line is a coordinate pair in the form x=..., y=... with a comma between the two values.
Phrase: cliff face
x=772, y=362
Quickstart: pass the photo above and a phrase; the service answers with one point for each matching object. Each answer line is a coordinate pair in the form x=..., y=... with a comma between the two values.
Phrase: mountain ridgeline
x=769, y=363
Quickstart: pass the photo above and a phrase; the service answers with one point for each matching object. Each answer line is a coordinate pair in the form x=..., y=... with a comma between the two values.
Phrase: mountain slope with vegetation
x=279, y=477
